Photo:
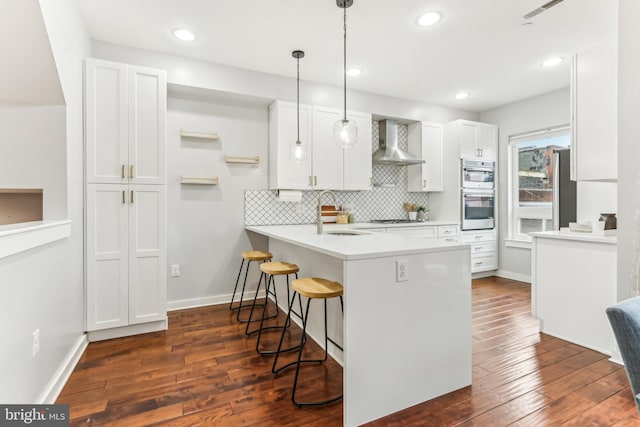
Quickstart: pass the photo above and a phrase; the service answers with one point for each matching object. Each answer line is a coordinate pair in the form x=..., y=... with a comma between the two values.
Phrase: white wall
x=206, y=223
x=628, y=143
x=43, y=288
x=33, y=153
x=551, y=109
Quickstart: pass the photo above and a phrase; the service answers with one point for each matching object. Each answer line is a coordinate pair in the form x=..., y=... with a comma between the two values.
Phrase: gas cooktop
x=392, y=221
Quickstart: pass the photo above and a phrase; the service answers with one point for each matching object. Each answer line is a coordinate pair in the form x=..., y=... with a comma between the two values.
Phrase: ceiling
x=480, y=46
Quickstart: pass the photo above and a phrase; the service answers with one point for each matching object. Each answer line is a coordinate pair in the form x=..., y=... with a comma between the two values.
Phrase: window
x=531, y=180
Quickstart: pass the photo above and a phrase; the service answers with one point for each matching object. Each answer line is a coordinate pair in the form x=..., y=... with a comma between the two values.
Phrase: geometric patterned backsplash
x=384, y=201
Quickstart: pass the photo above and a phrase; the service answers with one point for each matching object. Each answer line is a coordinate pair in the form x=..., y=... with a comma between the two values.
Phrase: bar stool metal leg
x=255, y=304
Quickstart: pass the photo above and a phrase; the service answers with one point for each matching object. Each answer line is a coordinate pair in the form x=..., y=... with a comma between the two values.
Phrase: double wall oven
x=478, y=194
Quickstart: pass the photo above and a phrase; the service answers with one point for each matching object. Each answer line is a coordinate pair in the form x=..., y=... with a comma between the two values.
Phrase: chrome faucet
x=319, y=218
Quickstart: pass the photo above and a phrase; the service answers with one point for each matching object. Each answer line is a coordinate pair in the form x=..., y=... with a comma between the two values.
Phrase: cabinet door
x=357, y=159
x=147, y=125
x=594, y=93
x=106, y=118
x=328, y=158
x=426, y=141
x=147, y=253
x=107, y=256
x=487, y=142
x=467, y=138
x=284, y=172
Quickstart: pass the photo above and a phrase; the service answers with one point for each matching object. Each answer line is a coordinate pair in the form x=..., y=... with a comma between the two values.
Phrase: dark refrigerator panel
x=564, y=190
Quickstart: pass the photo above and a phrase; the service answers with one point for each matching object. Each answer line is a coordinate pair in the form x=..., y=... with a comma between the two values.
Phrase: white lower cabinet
x=484, y=256
x=125, y=255
x=447, y=232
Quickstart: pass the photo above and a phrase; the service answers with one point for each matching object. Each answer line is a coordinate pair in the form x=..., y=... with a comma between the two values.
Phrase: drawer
x=478, y=236
x=418, y=232
x=448, y=231
x=484, y=263
x=482, y=248
x=450, y=239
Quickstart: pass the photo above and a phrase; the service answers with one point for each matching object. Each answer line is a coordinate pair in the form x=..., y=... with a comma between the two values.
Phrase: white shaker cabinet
x=483, y=244
x=476, y=140
x=284, y=171
x=425, y=141
x=594, y=137
x=327, y=166
x=125, y=123
x=125, y=207
x=126, y=255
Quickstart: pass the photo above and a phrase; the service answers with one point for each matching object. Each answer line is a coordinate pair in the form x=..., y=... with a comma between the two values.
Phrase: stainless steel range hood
x=389, y=152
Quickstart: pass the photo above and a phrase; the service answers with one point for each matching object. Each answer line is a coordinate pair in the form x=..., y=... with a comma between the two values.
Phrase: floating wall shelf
x=210, y=136
x=246, y=160
x=199, y=180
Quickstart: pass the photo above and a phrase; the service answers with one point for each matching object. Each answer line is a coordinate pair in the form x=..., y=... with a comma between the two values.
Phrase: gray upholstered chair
x=625, y=322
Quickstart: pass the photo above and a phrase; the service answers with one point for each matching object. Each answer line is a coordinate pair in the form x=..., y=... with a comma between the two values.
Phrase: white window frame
x=517, y=212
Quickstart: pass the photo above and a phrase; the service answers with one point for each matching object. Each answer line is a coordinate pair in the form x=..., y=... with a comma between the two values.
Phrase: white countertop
x=363, y=246
x=576, y=236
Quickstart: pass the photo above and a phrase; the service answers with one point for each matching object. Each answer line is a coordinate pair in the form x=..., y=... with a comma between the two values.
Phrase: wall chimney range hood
x=389, y=152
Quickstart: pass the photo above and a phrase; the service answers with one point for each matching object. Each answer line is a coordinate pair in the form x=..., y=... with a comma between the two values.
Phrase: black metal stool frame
x=240, y=306
x=300, y=347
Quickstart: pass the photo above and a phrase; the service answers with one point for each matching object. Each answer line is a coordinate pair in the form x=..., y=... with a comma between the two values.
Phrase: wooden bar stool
x=269, y=271
x=247, y=256
x=312, y=288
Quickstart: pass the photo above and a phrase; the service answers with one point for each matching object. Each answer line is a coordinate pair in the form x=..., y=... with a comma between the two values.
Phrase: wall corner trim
x=514, y=276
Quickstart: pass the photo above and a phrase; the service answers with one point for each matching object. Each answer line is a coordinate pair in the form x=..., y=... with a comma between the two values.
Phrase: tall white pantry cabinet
x=125, y=212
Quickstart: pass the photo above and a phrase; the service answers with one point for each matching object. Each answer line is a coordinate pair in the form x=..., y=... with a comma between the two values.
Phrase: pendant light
x=345, y=132
x=297, y=149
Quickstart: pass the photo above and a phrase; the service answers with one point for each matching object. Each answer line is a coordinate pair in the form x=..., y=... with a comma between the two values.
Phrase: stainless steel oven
x=478, y=174
x=478, y=209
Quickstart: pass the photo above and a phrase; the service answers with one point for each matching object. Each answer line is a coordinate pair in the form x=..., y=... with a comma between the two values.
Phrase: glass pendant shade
x=345, y=133
x=298, y=151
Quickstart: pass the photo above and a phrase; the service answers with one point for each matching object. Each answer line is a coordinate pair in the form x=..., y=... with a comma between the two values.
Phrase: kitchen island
x=406, y=335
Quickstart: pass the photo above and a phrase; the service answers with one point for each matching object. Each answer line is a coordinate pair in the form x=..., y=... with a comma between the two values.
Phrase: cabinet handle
x=131, y=197
x=478, y=248
x=131, y=171
x=447, y=231
x=479, y=263
x=123, y=201
x=122, y=171
x=478, y=237
x=315, y=180
x=424, y=183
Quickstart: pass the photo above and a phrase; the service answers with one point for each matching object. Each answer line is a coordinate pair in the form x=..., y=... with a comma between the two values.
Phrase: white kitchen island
x=404, y=342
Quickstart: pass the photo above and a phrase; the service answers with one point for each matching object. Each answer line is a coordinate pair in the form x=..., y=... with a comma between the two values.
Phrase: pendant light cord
x=298, y=100
x=345, y=62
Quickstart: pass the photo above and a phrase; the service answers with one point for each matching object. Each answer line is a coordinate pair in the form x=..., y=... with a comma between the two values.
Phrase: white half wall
x=43, y=288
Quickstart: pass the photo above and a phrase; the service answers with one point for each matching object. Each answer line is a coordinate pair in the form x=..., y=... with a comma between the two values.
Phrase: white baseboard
x=55, y=386
x=514, y=276
x=205, y=301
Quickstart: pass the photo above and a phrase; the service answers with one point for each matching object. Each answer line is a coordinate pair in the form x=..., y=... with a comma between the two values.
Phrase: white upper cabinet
x=328, y=158
x=327, y=166
x=425, y=141
x=284, y=172
x=477, y=140
x=125, y=123
x=594, y=136
x=358, y=173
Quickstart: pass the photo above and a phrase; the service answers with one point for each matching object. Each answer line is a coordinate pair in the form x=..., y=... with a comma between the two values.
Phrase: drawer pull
x=479, y=263
x=478, y=248
x=478, y=237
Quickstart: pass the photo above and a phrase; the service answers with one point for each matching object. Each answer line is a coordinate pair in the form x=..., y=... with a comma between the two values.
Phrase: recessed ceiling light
x=552, y=62
x=462, y=95
x=429, y=18
x=354, y=72
x=184, y=35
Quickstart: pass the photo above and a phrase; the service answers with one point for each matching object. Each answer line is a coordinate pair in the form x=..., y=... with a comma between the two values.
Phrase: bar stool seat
x=248, y=256
x=269, y=271
x=312, y=288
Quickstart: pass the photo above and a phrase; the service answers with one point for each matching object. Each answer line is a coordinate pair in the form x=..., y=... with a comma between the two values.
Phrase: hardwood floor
x=204, y=371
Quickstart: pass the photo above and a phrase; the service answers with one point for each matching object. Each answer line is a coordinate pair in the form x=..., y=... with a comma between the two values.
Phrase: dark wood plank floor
x=204, y=371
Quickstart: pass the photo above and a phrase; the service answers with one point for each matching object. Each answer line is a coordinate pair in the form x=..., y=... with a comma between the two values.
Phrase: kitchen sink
x=346, y=232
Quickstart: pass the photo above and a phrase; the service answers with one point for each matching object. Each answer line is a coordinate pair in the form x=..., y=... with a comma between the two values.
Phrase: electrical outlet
x=35, y=342
x=402, y=270
x=300, y=208
x=175, y=270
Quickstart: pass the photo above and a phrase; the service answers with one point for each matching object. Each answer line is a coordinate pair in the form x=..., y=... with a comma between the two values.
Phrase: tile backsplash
x=384, y=201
